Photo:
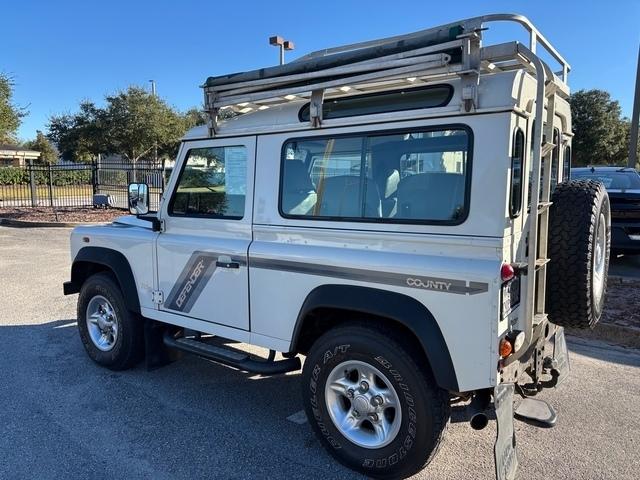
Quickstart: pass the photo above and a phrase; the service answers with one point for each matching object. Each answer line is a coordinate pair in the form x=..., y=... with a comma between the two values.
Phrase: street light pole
x=283, y=45
x=635, y=119
x=155, y=145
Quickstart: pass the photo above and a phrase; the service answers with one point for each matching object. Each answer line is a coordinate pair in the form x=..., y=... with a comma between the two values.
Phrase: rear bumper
x=544, y=364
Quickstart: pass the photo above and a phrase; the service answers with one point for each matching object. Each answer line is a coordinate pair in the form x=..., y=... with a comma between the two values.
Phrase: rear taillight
x=511, y=343
x=507, y=272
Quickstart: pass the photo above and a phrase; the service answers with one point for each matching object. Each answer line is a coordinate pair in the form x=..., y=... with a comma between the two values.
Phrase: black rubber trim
x=114, y=261
x=69, y=288
x=246, y=364
x=395, y=306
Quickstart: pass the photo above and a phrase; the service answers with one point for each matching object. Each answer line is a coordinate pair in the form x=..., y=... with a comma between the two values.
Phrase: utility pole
x=635, y=119
x=278, y=41
x=155, y=146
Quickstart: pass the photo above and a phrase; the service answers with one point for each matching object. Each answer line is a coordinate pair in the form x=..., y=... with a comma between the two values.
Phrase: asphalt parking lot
x=61, y=416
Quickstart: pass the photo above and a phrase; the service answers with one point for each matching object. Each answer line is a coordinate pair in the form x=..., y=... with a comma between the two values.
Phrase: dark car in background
x=623, y=187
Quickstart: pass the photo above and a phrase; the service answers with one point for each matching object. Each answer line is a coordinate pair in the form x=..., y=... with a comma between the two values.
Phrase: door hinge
x=158, y=297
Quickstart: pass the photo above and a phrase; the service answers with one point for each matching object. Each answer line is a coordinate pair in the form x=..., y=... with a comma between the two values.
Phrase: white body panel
x=224, y=298
x=259, y=303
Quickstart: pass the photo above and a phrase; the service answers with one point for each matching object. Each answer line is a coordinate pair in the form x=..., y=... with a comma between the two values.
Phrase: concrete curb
x=615, y=334
x=10, y=222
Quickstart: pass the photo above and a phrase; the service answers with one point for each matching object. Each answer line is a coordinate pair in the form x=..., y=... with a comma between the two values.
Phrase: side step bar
x=231, y=357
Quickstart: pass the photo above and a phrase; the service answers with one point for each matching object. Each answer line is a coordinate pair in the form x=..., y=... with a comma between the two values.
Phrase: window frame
x=307, y=106
x=172, y=199
x=566, y=163
x=372, y=133
x=517, y=213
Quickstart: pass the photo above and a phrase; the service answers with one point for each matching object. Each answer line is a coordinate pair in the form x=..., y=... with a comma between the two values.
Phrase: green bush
x=13, y=176
x=18, y=176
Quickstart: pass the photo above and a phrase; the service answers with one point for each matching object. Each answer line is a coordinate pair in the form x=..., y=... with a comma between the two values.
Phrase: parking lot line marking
x=299, y=417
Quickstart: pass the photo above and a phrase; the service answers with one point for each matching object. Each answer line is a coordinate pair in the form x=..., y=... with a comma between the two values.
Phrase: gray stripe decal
x=436, y=284
x=194, y=277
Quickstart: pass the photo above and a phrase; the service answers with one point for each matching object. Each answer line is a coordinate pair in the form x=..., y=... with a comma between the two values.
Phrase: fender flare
x=84, y=266
x=395, y=306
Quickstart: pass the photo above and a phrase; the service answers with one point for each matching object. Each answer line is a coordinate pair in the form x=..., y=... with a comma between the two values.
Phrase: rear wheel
x=371, y=405
x=111, y=334
x=579, y=244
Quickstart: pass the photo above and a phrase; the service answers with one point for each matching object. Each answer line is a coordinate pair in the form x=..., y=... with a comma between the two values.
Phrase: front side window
x=213, y=183
x=405, y=177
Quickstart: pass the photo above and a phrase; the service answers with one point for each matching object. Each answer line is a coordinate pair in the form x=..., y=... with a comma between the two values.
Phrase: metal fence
x=74, y=185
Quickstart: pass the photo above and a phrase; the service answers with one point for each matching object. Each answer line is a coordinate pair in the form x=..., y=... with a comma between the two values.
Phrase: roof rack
x=450, y=50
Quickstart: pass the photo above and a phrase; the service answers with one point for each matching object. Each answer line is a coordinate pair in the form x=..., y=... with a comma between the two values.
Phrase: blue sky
x=62, y=52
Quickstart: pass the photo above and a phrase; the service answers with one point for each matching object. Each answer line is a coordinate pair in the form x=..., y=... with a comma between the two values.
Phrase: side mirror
x=138, y=198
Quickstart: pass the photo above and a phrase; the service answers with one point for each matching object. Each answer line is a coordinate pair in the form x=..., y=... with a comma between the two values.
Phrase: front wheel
x=111, y=334
x=371, y=405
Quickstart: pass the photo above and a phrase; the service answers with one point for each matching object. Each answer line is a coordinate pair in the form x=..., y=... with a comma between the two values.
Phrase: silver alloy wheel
x=102, y=323
x=363, y=404
x=599, y=259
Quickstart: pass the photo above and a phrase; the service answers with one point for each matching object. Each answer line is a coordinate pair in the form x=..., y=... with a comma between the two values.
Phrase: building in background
x=15, y=156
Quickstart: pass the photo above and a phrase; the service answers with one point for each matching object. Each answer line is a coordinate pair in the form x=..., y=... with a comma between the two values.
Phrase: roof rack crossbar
x=346, y=73
x=378, y=63
x=435, y=65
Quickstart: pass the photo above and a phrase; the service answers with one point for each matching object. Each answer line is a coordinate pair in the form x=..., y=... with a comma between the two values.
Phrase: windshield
x=612, y=180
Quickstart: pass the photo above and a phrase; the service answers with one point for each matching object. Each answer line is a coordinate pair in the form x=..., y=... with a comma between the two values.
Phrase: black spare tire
x=578, y=249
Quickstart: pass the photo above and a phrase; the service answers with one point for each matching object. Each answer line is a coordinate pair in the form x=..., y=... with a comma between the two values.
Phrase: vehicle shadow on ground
x=190, y=419
x=604, y=351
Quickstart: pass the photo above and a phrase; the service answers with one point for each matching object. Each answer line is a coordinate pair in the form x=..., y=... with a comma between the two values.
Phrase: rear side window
x=555, y=159
x=212, y=183
x=517, y=171
x=383, y=102
x=400, y=177
x=566, y=165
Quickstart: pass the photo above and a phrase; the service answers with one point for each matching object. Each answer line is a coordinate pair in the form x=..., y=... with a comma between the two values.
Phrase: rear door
x=202, y=263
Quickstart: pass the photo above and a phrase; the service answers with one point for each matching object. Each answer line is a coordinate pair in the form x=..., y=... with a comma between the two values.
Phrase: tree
x=48, y=153
x=137, y=122
x=600, y=133
x=194, y=117
x=10, y=114
x=78, y=136
x=134, y=123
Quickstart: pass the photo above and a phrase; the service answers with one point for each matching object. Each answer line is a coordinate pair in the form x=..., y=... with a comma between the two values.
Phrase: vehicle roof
x=503, y=91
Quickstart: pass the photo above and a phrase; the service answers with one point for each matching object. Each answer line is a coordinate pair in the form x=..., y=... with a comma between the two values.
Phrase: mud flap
x=505, y=447
x=560, y=355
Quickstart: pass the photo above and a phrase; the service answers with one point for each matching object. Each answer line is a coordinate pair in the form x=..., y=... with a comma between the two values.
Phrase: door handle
x=227, y=264
x=225, y=261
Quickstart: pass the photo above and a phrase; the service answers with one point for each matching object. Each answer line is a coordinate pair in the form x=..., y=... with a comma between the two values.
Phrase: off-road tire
x=424, y=406
x=578, y=208
x=128, y=349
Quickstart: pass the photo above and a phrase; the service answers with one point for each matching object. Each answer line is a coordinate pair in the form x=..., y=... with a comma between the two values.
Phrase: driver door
x=202, y=263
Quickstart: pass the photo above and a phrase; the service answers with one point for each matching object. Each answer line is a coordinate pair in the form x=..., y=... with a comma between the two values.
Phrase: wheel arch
x=92, y=260
x=406, y=312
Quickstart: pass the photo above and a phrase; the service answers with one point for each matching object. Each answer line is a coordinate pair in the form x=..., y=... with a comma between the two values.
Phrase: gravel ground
x=74, y=214
x=64, y=417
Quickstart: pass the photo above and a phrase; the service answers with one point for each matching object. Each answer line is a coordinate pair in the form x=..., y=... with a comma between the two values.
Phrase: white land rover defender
x=398, y=211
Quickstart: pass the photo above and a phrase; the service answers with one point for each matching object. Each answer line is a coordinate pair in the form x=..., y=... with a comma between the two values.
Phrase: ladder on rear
x=538, y=219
